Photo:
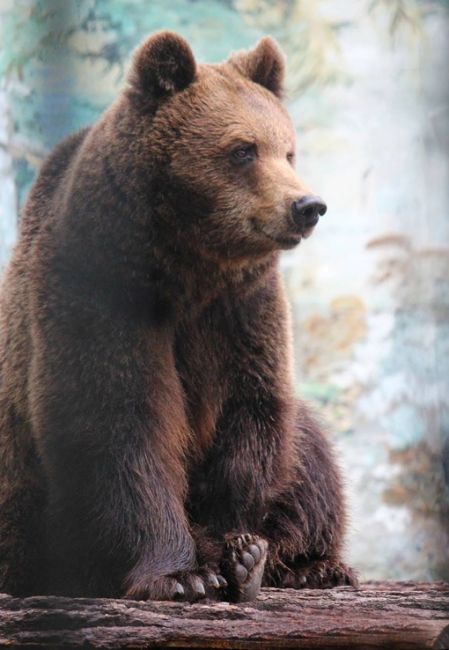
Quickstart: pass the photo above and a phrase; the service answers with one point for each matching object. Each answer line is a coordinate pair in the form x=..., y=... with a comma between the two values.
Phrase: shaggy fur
x=147, y=409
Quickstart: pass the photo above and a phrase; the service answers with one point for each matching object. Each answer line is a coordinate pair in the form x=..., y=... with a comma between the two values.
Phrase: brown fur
x=147, y=407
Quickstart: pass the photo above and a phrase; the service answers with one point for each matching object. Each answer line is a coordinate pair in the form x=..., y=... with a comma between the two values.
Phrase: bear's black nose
x=307, y=210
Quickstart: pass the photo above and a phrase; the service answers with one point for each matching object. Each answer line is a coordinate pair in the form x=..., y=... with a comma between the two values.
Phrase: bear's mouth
x=285, y=241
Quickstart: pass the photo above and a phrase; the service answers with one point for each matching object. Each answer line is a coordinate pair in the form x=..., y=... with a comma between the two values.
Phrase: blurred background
x=368, y=89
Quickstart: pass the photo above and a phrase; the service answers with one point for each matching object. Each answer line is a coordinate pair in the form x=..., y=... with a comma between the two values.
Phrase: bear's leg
x=305, y=526
x=270, y=471
x=22, y=506
x=109, y=419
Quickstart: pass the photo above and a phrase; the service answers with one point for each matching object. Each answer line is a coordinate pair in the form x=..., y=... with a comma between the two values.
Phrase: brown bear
x=151, y=445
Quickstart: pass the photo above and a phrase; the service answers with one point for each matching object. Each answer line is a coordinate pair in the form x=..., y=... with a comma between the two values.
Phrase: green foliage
x=41, y=30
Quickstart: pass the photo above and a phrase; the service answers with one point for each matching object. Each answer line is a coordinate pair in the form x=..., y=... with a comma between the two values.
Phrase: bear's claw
x=189, y=586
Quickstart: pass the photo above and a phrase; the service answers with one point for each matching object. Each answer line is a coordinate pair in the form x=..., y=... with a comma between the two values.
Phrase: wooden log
x=378, y=615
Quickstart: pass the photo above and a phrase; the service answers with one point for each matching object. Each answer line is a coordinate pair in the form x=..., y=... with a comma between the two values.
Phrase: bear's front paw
x=186, y=585
x=242, y=565
x=320, y=574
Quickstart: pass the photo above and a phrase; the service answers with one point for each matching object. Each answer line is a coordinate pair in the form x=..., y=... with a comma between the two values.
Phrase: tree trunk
x=378, y=615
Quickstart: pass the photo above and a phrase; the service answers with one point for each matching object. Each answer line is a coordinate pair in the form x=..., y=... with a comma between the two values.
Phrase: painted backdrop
x=369, y=93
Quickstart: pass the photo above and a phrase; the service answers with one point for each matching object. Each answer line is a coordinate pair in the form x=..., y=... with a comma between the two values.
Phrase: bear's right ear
x=163, y=65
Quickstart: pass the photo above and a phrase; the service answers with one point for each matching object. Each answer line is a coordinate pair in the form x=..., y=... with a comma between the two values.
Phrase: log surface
x=378, y=615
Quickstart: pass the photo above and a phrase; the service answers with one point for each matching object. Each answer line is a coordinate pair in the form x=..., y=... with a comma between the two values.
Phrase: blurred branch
x=402, y=13
x=312, y=40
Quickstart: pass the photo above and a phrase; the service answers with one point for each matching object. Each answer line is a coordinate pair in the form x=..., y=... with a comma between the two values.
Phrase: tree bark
x=379, y=615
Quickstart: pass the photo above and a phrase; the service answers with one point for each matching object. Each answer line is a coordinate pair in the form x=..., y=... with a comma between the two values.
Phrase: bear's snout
x=306, y=212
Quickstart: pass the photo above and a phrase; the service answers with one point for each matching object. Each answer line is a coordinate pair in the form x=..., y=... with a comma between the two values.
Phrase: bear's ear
x=264, y=64
x=163, y=65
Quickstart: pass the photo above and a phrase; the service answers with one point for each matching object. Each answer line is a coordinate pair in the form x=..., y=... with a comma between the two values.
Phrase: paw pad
x=243, y=565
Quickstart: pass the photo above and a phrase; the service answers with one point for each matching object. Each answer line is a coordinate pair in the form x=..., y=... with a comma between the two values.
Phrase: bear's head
x=225, y=147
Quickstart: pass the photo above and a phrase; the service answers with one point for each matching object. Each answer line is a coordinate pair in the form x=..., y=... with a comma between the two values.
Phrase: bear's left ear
x=264, y=64
x=163, y=65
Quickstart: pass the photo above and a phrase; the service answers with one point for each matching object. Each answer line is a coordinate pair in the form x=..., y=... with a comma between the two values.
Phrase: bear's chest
x=202, y=353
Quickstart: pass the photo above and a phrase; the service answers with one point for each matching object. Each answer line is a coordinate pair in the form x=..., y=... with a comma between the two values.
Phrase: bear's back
x=42, y=205
x=43, y=198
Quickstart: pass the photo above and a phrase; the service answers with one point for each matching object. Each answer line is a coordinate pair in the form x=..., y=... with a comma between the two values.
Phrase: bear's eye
x=290, y=157
x=243, y=154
